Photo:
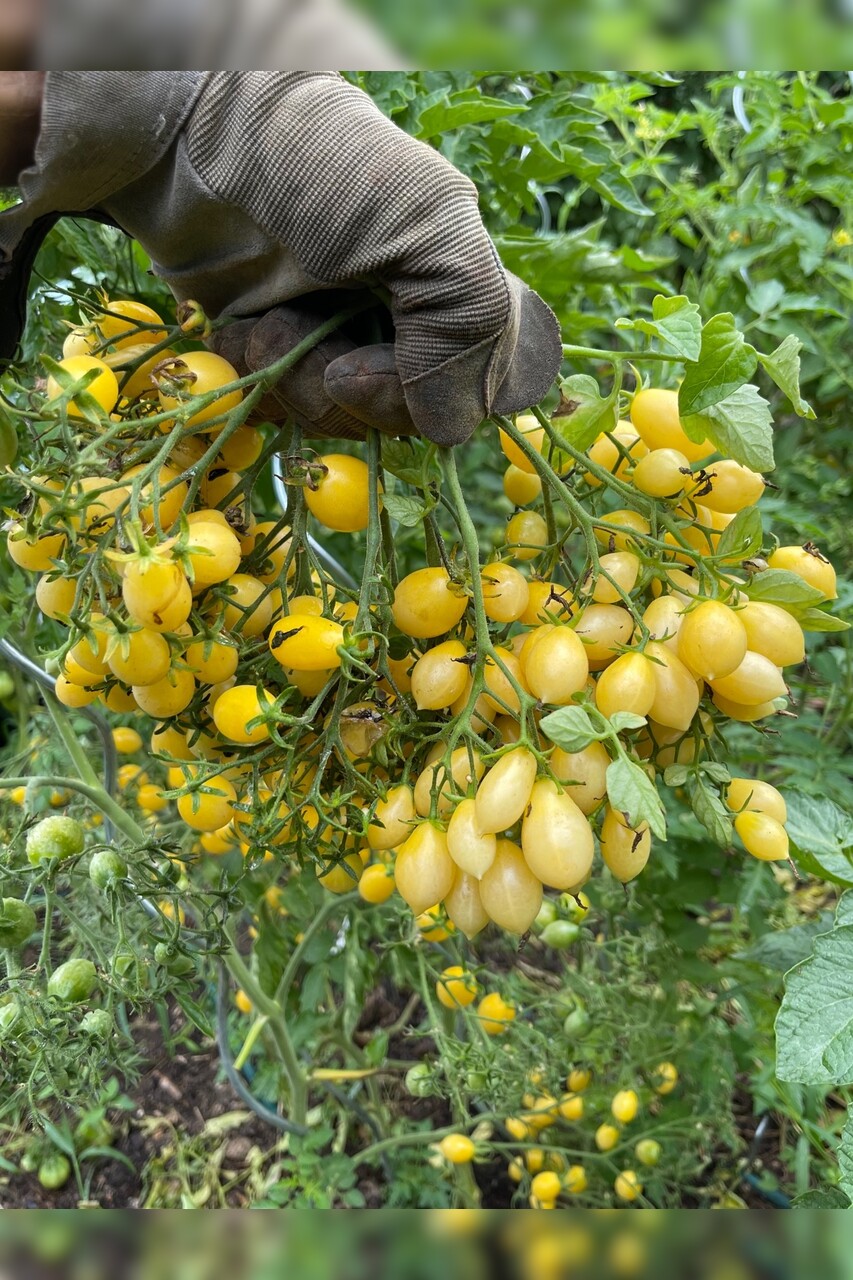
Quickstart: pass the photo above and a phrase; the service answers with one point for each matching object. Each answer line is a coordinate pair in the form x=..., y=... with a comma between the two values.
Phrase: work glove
x=360, y=204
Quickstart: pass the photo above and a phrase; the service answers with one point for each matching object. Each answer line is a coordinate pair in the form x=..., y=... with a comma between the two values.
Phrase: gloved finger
x=506, y=371
x=255, y=344
x=366, y=382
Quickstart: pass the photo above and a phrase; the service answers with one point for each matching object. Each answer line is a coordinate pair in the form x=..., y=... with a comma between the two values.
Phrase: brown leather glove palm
x=359, y=203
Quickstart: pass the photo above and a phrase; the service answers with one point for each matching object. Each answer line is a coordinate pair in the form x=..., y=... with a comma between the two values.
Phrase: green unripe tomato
x=54, y=1171
x=93, y=1131
x=17, y=922
x=476, y=1082
x=9, y=1015
x=107, y=869
x=576, y=1024
x=419, y=1081
x=648, y=1152
x=7, y=686
x=97, y=1023
x=73, y=982
x=54, y=837
x=561, y=935
x=174, y=962
x=546, y=915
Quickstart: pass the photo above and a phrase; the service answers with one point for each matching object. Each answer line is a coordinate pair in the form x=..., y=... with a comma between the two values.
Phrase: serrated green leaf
x=469, y=106
x=712, y=813
x=583, y=412
x=740, y=426
x=822, y=1198
x=783, y=366
x=675, y=322
x=784, y=948
x=716, y=772
x=631, y=791
x=845, y=1157
x=726, y=361
x=409, y=462
x=779, y=586
x=821, y=836
x=744, y=536
x=570, y=729
x=844, y=910
x=408, y=512
x=818, y=620
x=814, y=1027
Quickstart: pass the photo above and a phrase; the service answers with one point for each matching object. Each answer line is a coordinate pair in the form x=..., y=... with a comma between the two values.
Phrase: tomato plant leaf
x=407, y=511
x=570, y=729
x=632, y=792
x=818, y=620
x=712, y=813
x=821, y=836
x=783, y=366
x=726, y=361
x=622, y=720
x=740, y=426
x=675, y=322
x=744, y=536
x=469, y=106
x=583, y=412
x=822, y=1198
x=779, y=586
x=845, y=1157
x=781, y=949
x=814, y=1026
x=409, y=462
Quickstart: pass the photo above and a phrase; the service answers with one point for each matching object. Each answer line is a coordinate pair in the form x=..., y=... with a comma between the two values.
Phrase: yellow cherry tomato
x=457, y=1148
x=339, y=497
x=103, y=388
x=200, y=373
x=455, y=987
x=236, y=709
x=495, y=1014
x=625, y=1105
x=306, y=642
x=426, y=604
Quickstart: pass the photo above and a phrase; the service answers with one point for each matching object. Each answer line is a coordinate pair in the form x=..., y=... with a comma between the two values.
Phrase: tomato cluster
x=415, y=735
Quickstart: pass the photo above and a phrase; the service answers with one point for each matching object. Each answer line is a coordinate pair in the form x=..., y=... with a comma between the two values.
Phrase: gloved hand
x=358, y=202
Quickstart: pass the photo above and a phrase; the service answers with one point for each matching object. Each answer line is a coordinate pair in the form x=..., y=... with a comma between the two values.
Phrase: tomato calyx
x=192, y=319
x=173, y=377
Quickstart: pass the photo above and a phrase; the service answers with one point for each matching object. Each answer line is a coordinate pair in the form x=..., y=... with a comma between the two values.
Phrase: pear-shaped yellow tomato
x=503, y=793
x=424, y=870
x=103, y=387
x=534, y=434
x=603, y=628
x=440, y=676
x=773, y=633
x=763, y=837
x=556, y=838
x=464, y=906
x=307, y=643
x=557, y=666
x=426, y=603
x=628, y=684
x=471, y=849
x=712, y=640
x=754, y=680
x=625, y=849
x=200, y=373
x=392, y=819
x=506, y=593
x=615, y=450
x=340, y=497
x=583, y=773
x=676, y=693
x=510, y=893
x=752, y=794
x=728, y=487
x=807, y=563
x=664, y=617
x=617, y=578
x=464, y=766
x=654, y=412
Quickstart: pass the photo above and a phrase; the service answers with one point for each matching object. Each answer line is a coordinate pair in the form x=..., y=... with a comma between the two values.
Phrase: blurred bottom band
x=428, y=1245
